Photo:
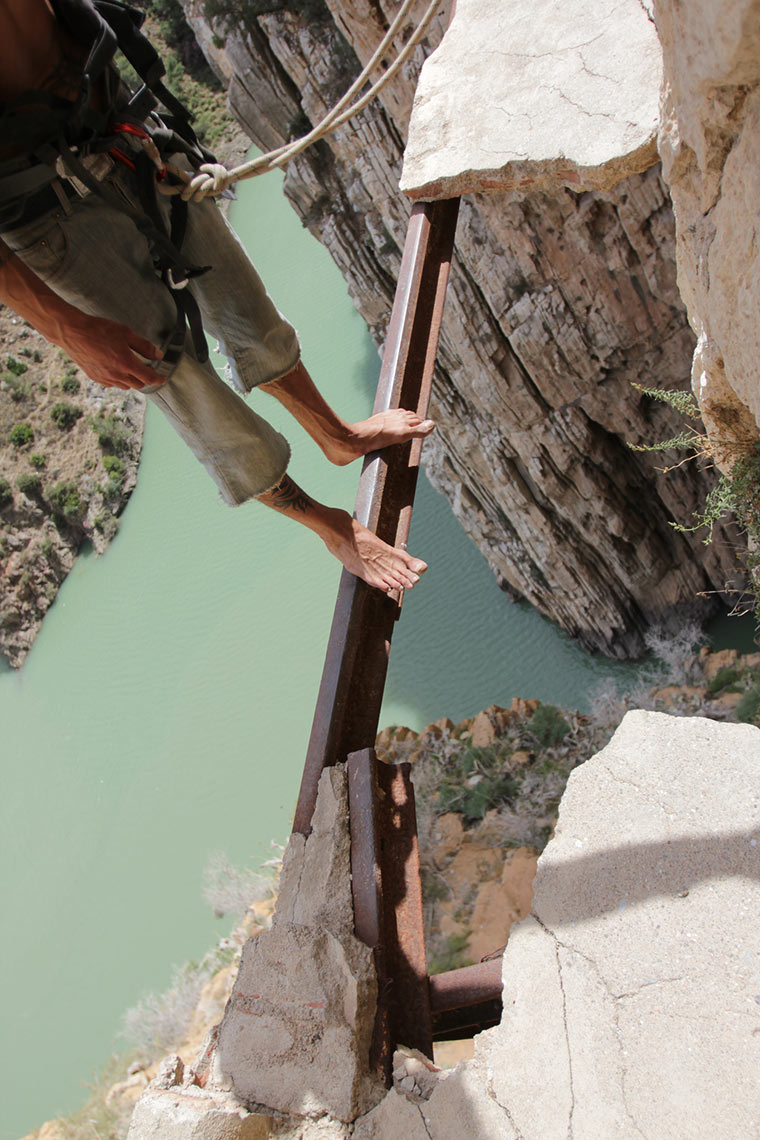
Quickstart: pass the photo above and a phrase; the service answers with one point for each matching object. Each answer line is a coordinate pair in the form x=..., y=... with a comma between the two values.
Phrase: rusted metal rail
x=413, y=1009
x=351, y=692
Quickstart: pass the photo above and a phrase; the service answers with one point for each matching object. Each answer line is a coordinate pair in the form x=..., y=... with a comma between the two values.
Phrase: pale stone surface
x=710, y=145
x=541, y=96
x=315, y=889
x=296, y=1033
x=631, y=998
x=194, y=1114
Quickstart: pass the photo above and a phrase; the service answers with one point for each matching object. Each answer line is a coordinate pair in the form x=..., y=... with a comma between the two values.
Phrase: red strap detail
x=121, y=157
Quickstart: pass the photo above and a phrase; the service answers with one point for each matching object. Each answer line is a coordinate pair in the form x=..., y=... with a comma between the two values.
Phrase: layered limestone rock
x=558, y=303
x=563, y=95
x=710, y=146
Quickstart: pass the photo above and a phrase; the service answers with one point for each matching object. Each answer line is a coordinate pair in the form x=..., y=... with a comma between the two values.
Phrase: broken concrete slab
x=632, y=996
x=536, y=97
x=640, y=970
x=296, y=1033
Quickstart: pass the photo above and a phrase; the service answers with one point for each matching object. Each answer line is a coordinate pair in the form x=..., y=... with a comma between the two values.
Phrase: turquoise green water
x=164, y=711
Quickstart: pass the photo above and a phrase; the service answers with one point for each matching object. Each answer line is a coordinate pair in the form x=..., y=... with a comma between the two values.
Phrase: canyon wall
x=558, y=304
x=710, y=144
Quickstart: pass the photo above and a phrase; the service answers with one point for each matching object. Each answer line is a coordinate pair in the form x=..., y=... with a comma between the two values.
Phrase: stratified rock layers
x=557, y=305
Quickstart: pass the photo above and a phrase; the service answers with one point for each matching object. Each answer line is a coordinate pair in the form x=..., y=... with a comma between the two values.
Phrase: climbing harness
x=69, y=147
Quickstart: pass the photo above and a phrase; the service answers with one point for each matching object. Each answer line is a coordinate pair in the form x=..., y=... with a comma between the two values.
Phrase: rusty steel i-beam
x=353, y=679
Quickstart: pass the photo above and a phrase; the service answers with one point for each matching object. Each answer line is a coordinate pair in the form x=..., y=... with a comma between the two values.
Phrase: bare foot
x=381, y=430
x=369, y=558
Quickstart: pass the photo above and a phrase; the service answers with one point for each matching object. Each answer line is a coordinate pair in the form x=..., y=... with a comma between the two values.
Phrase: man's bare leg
x=358, y=549
x=340, y=441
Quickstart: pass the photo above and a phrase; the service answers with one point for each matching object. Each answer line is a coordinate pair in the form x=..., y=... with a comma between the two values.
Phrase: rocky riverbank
x=487, y=792
x=69, y=451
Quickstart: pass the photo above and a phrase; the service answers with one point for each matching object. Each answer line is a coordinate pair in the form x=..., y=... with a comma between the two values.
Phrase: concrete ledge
x=534, y=98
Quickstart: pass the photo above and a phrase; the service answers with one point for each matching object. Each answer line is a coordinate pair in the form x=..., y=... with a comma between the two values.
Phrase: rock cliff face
x=710, y=144
x=557, y=305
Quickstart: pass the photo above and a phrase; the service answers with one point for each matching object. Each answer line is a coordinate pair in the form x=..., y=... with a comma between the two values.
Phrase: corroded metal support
x=463, y=1002
x=385, y=874
x=353, y=679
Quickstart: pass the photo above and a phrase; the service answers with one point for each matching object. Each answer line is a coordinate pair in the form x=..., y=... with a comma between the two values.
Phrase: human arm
x=105, y=350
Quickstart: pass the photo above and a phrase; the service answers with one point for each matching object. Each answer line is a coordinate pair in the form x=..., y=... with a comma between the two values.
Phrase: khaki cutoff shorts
x=95, y=258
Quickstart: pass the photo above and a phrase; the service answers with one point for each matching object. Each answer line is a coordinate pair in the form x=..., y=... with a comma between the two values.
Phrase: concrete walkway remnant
x=534, y=97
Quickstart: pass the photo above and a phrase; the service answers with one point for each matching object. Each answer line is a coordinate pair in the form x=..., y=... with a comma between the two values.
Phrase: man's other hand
x=113, y=355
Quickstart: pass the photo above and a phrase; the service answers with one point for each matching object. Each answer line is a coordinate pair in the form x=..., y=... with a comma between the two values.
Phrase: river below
x=164, y=711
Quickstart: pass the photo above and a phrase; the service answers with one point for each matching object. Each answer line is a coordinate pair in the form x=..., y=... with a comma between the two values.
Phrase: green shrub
x=15, y=366
x=114, y=466
x=723, y=678
x=64, y=416
x=65, y=500
x=451, y=955
x=112, y=434
x=38, y=460
x=29, y=485
x=748, y=708
x=70, y=384
x=21, y=435
x=6, y=494
x=18, y=388
x=548, y=726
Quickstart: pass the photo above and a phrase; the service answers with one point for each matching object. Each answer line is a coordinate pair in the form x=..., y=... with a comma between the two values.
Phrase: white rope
x=213, y=178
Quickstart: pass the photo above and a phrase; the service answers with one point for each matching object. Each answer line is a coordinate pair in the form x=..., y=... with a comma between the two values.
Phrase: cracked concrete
x=632, y=995
x=517, y=117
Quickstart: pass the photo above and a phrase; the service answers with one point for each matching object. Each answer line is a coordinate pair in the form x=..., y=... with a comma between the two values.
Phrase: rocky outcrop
x=710, y=146
x=64, y=481
x=558, y=304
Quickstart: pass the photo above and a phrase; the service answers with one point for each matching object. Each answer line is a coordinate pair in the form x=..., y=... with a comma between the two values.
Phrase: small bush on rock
x=29, y=484
x=64, y=416
x=66, y=501
x=6, y=494
x=548, y=726
x=21, y=435
x=70, y=384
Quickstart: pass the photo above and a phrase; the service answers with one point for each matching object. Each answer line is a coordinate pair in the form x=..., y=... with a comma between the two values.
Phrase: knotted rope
x=213, y=178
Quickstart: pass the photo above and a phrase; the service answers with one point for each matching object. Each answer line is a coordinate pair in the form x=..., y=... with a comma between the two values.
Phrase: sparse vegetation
x=548, y=726
x=112, y=434
x=29, y=484
x=6, y=494
x=64, y=415
x=735, y=494
x=231, y=890
x=66, y=501
x=748, y=708
x=38, y=460
x=15, y=366
x=451, y=954
x=114, y=466
x=21, y=435
x=70, y=384
x=16, y=385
